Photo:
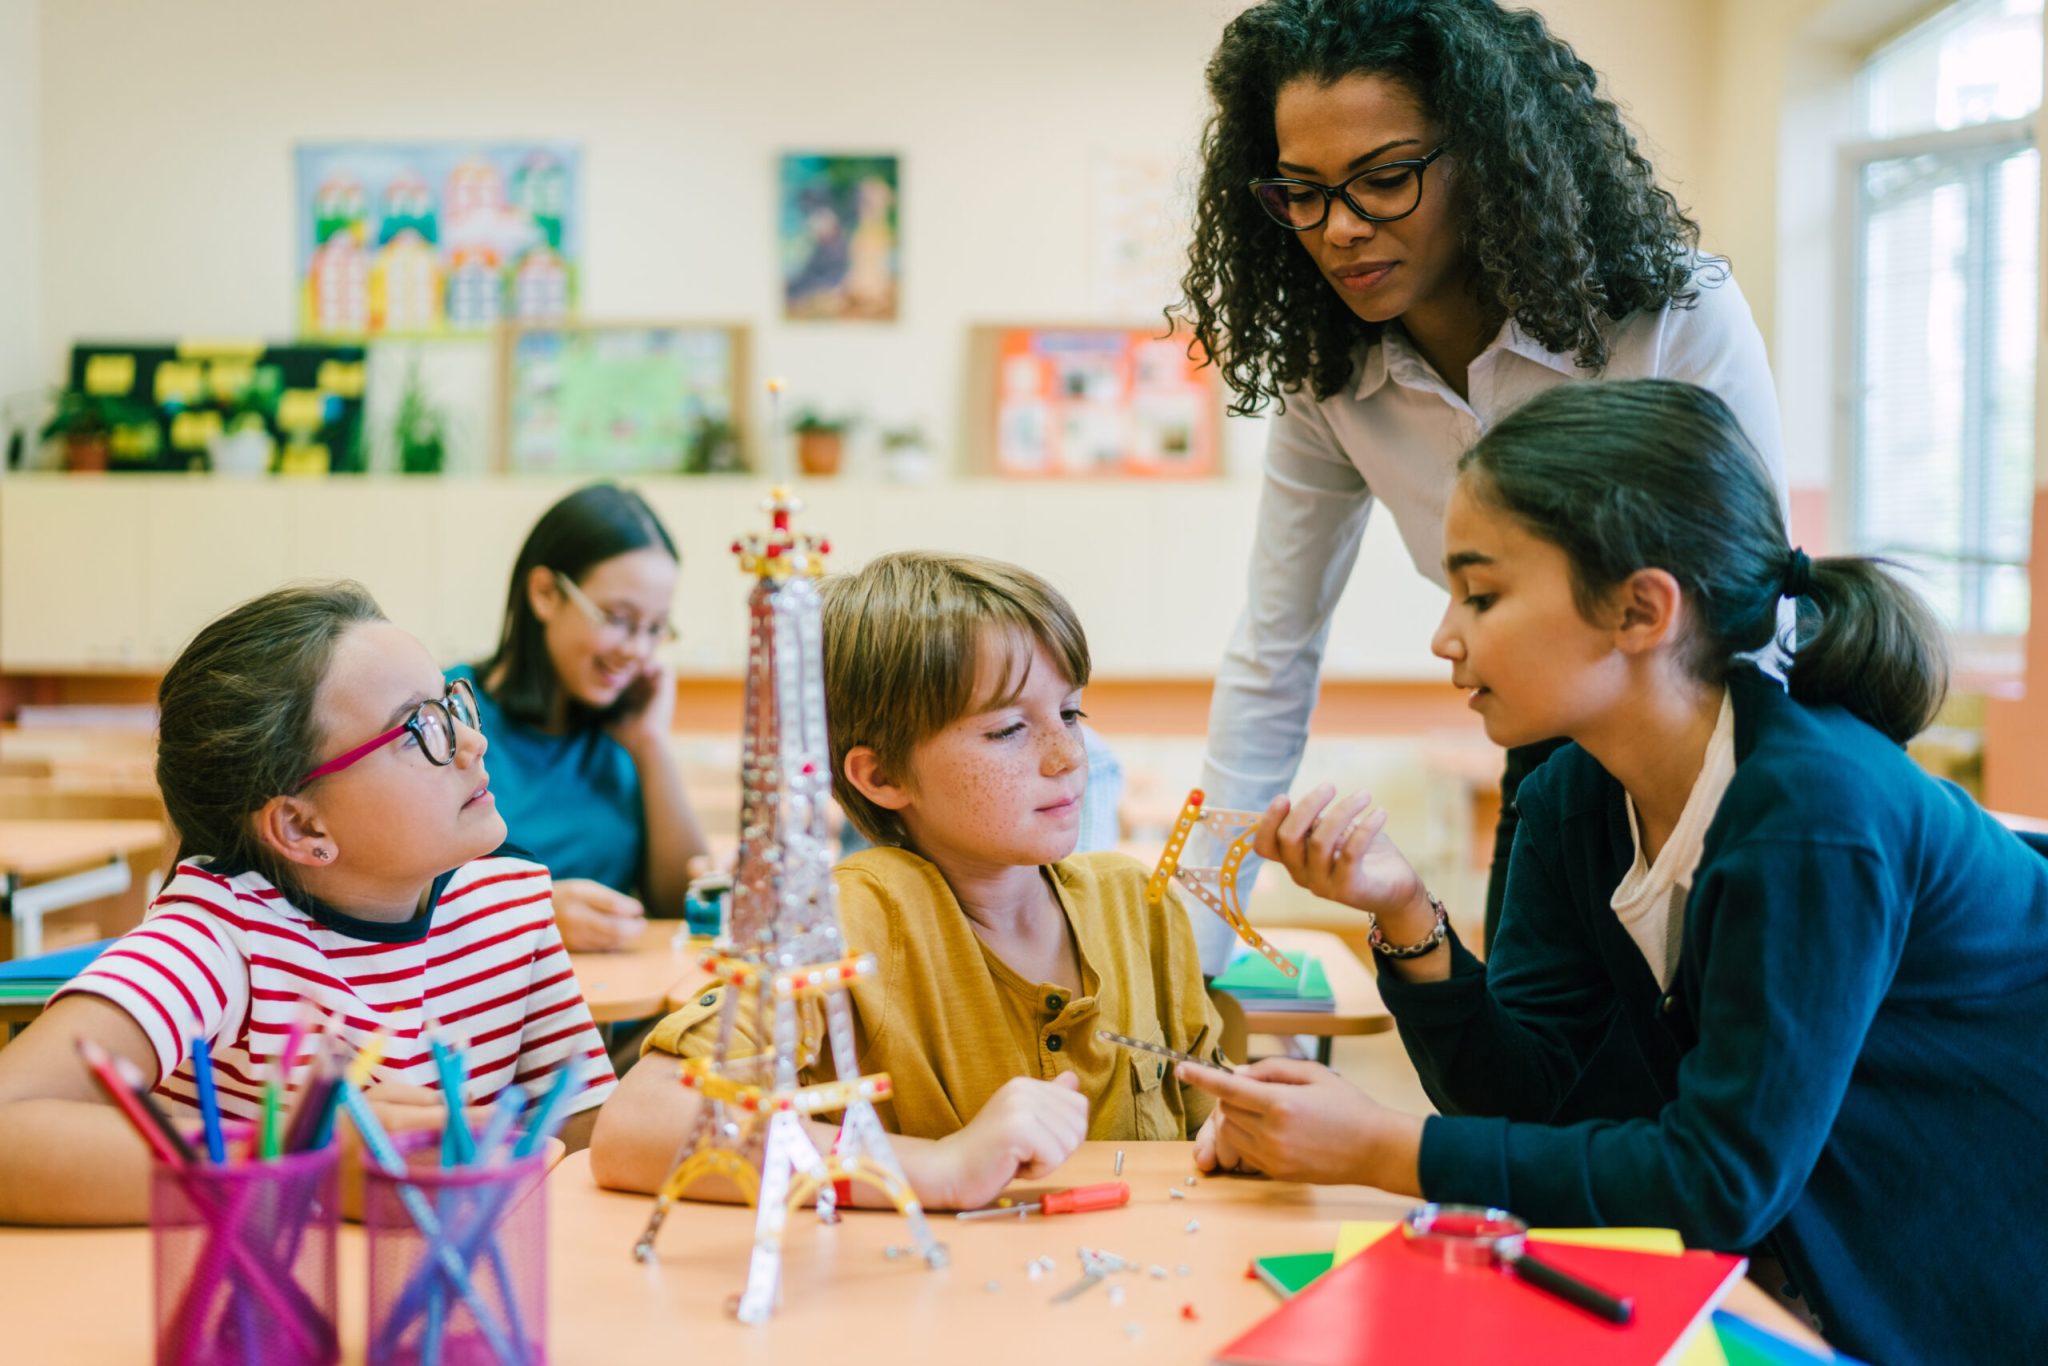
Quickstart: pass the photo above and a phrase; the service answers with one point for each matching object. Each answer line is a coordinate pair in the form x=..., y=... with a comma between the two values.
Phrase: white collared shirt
x=1394, y=436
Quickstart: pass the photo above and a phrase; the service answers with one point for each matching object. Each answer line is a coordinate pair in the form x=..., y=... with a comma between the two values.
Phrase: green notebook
x=1254, y=980
x=1292, y=1272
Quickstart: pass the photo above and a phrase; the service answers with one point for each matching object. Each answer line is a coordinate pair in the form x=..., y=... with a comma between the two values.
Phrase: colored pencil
x=209, y=1101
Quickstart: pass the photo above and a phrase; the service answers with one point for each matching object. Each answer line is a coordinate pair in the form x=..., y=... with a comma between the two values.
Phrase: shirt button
x=1670, y=1003
x=1052, y=1043
x=1053, y=1003
x=709, y=998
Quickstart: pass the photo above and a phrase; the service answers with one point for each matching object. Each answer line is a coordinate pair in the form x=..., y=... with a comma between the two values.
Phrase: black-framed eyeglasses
x=432, y=724
x=1379, y=194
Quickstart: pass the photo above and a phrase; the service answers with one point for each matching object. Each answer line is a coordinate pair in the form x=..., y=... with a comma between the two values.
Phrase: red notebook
x=1397, y=1301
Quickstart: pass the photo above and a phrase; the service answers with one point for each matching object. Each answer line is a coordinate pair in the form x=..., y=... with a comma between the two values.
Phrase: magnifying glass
x=1472, y=1235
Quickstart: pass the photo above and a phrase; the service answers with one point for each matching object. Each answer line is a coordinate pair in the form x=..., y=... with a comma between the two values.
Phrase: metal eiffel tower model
x=783, y=943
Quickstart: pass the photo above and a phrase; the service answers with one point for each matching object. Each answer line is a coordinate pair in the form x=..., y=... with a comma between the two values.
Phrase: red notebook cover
x=1397, y=1301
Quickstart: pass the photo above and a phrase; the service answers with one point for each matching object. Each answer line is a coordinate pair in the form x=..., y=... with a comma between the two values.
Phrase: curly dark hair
x=1563, y=218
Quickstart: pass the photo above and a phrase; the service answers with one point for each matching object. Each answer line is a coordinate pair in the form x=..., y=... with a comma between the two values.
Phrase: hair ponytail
x=1876, y=649
x=1624, y=475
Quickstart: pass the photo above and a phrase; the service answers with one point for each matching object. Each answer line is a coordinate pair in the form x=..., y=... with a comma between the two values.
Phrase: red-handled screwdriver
x=1079, y=1200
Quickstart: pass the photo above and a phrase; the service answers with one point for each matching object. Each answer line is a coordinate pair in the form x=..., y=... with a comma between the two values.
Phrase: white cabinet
x=117, y=573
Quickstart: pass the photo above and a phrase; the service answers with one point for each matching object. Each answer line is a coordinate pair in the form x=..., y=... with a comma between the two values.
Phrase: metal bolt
x=1194, y=1226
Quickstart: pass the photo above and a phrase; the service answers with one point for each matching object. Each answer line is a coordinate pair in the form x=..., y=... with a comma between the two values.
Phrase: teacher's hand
x=1299, y=1121
x=594, y=919
x=647, y=710
x=1341, y=853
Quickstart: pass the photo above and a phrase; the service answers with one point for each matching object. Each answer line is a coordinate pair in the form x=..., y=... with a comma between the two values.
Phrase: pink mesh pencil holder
x=244, y=1258
x=458, y=1261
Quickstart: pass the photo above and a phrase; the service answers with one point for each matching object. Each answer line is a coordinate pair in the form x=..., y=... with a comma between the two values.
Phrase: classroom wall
x=168, y=207
x=22, y=355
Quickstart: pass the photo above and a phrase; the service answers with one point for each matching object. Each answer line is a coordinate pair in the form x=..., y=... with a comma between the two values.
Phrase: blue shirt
x=1850, y=1068
x=572, y=801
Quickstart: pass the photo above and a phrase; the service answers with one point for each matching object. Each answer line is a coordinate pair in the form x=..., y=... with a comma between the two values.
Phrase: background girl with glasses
x=1498, y=233
x=578, y=704
x=340, y=854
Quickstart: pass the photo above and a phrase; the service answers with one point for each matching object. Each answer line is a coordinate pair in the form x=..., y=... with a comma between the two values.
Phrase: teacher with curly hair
x=1413, y=216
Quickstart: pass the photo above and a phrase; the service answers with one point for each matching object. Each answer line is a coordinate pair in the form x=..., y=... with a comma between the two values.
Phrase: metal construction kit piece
x=1160, y=1050
x=783, y=943
x=1176, y=1193
x=1215, y=887
x=1116, y=1295
x=1119, y=1169
x=1035, y=1270
x=1183, y=1270
x=1158, y=1272
x=1189, y=1182
x=1194, y=1226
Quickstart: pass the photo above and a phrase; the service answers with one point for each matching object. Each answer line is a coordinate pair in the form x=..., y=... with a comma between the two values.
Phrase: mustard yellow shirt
x=950, y=1022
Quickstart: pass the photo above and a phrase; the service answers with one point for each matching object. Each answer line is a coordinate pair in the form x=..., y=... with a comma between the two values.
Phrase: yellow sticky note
x=301, y=410
x=192, y=431
x=343, y=379
x=113, y=373
x=228, y=378
x=1356, y=1235
x=177, y=382
x=303, y=457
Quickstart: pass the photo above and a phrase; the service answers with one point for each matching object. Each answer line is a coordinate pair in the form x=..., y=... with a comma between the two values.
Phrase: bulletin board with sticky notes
x=309, y=397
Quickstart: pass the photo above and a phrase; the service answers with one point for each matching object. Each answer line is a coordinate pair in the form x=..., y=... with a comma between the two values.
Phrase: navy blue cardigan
x=1851, y=1067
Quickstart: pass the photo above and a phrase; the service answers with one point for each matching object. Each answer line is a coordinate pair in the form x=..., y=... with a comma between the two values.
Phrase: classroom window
x=1946, y=197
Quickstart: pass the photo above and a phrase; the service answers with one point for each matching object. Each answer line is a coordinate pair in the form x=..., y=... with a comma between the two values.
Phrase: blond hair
x=903, y=643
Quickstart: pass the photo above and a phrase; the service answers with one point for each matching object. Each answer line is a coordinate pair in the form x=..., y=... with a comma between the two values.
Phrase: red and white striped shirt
x=230, y=959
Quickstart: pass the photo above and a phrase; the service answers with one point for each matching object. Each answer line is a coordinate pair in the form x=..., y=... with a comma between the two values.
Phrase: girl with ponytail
x=1834, y=967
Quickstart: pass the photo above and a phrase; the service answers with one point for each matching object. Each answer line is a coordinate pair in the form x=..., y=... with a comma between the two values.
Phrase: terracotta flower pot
x=85, y=454
x=819, y=452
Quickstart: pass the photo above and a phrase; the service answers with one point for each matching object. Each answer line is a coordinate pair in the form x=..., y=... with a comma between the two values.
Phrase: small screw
x=1194, y=1226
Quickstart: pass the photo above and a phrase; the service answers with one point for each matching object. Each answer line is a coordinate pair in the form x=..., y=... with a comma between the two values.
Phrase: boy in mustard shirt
x=952, y=694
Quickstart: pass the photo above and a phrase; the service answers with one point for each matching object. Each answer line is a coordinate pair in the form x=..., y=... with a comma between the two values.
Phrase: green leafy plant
x=82, y=416
x=420, y=429
x=811, y=420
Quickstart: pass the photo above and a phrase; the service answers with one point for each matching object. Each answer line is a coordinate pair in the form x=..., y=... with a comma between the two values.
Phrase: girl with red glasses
x=340, y=855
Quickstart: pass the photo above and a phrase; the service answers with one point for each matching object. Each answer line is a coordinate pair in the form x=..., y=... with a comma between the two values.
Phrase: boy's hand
x=1025, y=1131
x=1342, y=854
x=595, y=919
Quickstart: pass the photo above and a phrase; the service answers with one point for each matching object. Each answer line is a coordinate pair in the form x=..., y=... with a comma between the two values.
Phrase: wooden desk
x=1359, y=1008
x=47, y=865
x=82, y=1296
x=635, y=983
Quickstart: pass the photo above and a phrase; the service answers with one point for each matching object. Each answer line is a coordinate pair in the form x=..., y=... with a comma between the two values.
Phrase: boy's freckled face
x=1002, y=785
x=393, y=811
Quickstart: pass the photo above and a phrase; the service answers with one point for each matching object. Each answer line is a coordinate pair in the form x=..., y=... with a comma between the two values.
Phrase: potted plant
x=906, y=456
x=712, y=447
x=420, y=429
x=820, y=442
x=85, y=423
x=245, y=445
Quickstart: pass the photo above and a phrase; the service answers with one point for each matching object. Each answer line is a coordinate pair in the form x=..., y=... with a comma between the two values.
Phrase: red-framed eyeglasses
x=432, y=724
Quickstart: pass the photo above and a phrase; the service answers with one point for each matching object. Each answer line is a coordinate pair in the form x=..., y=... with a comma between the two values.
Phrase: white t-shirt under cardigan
x=1394, y=435
x=231, y=959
